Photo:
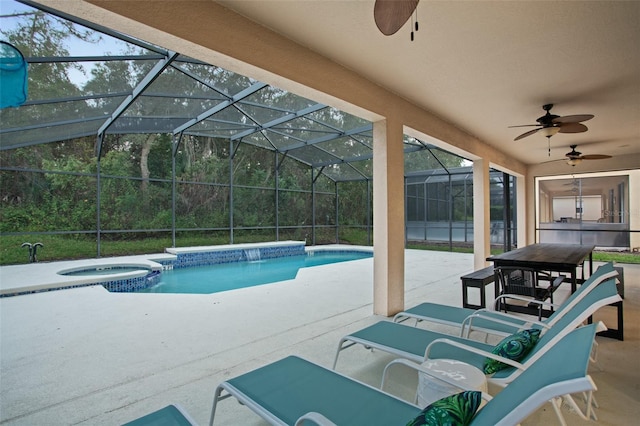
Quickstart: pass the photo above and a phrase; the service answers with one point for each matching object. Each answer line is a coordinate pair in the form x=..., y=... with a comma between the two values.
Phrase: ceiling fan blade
x=529, y=133
x=525, y=125
x=573, y=128
x=595, y=157
x=555, y=161
x=391, y=15
x=573, y=118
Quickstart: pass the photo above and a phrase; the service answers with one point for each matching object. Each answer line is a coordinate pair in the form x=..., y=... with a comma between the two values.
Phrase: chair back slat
x=603, y=272
x=567, y=359
x=602, y=295
x=521, y=281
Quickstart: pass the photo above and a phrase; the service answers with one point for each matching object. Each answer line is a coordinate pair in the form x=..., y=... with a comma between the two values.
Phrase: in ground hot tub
x=104, y=270
x=127, y=277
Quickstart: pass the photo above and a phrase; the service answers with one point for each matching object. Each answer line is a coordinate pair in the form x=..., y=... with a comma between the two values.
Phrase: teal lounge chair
x=171, y=415
x=418, y=345
x=293, y=391
x=501, y=323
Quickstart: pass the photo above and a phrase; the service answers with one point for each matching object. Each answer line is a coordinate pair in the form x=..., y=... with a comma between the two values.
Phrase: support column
x=388, y=218
x=521, y=211
x=632, y=209
x=481, y=214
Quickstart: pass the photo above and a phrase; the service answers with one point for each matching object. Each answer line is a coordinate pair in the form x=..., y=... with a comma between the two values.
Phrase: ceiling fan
x=391, y=15
x=550, y=124
x=574, y=157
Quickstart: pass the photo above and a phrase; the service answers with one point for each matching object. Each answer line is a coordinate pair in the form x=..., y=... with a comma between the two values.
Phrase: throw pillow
x=453, y=410
x=514, y=347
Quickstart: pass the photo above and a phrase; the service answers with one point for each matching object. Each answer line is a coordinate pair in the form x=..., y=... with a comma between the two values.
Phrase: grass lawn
x=61, y=247
x=598, y=256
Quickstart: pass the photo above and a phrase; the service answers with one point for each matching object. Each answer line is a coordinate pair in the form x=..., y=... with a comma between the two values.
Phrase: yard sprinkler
x=33, y=248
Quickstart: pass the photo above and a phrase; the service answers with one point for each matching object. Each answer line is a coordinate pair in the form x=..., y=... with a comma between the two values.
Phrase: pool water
x=231, y=276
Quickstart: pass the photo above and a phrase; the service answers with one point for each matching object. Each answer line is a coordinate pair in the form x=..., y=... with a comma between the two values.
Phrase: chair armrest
x=506, y=319
x=556, y=282
x=468, y=348
x=524, y=299
x=545, y=274
x=315, y=418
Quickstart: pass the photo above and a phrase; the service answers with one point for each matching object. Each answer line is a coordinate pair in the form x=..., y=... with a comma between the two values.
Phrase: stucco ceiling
x=487, y=65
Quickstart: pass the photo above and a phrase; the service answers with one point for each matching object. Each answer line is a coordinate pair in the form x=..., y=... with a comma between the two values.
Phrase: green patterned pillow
x=514, y=347
x=452, y=410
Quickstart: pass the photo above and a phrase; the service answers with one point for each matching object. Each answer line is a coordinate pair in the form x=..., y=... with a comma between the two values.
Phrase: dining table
x=560, y=258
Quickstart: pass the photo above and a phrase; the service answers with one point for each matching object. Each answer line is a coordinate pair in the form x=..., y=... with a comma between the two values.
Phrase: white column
x=388, y=218
x=633, y=210
x=521, y=210
x=481, y=214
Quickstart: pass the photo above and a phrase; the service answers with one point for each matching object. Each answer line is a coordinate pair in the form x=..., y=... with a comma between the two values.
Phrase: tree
x=430, y=159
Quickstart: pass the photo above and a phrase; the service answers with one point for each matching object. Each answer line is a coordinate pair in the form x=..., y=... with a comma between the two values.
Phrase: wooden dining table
x=560, y=258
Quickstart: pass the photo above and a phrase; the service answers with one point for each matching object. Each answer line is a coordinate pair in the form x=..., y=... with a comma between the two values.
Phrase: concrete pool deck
x=90, y=357
x=45, y=276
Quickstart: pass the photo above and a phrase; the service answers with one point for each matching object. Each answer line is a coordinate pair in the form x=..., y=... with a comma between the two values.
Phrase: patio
x=86, y=356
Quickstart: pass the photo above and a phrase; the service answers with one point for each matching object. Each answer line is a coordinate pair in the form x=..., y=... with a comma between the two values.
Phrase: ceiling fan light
x=574, y=161
x=549, y=131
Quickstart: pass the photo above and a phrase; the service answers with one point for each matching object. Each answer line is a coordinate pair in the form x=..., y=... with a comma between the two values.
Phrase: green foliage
x=253, y=235
x=354, y=236
x=495, y=213
x=352, y=204
x=160, y=157
x=617, y=257
x=62, y=186
x=55, y=247
x=21, y=218
x=44, y=35
x=431, y=159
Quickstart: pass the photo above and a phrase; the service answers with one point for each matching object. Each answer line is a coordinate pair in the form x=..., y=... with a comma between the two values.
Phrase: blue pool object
x=13, y=74
x=231, y=276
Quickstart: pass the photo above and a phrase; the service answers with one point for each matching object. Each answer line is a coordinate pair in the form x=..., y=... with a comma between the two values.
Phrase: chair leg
x=556, y=402
x=593, y=400
x=342, y=345
x=539, y=312
x=589, y=405
x=216, y=397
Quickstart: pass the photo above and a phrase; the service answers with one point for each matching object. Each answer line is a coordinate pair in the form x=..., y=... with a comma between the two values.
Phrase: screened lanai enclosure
x=119, y=139
x=439, y=207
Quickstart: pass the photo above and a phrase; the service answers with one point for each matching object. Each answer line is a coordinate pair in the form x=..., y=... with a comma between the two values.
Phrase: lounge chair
x=500, y=323
x=293, y=391
x=171, y=415
x=418, y=345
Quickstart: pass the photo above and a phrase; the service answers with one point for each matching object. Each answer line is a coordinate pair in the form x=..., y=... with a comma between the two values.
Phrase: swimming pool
x=231, y=276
